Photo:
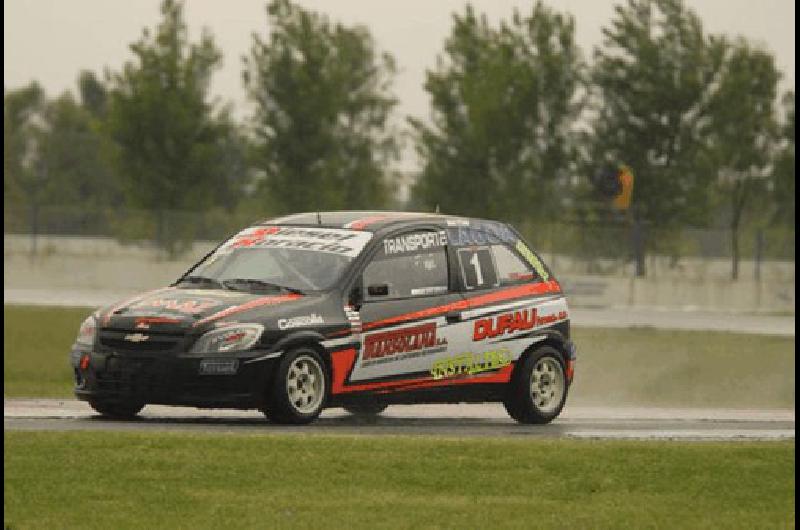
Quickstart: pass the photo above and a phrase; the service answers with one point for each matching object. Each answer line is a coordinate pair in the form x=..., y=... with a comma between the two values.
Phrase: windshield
x=281, y=257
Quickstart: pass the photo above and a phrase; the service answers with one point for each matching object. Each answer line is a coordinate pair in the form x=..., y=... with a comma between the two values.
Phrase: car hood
x=172, y=309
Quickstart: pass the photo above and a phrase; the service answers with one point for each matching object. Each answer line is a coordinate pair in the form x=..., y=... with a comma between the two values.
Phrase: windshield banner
x=331, y=240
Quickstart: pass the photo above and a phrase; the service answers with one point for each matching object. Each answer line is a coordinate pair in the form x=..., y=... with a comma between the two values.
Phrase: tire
x=299, y=389
x=538, y=389
x=366, y=409
x=117, y=410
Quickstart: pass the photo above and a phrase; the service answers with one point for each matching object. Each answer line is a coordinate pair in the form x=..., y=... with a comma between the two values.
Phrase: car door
x=508, y=302
x=408, y=294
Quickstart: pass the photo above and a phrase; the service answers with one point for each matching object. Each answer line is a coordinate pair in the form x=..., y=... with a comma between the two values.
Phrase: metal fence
x=600, y=248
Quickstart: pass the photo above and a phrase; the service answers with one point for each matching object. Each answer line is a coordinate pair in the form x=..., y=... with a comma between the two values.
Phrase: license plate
x=219, y=366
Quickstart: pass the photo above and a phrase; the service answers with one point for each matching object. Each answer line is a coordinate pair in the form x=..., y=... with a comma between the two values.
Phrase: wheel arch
x=554, y=339
x=309, y=339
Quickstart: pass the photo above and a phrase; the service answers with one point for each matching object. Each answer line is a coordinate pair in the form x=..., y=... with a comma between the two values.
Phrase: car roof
x=372, y=221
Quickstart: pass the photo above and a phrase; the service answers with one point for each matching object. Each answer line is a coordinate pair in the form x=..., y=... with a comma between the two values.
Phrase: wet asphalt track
x=426, y=420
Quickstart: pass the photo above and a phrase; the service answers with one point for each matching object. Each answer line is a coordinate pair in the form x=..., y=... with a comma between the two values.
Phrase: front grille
x=135, y=375
x=155, y=342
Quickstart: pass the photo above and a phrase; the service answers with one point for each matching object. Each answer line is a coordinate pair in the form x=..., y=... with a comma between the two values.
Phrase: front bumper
x=237, y=380
x=571, y=357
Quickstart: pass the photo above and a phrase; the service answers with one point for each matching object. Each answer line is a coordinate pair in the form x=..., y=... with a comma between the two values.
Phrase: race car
x=358, y=310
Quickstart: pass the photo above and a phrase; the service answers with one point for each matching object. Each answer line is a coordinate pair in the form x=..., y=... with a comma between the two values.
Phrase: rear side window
x=410, y=265
x=510, y=267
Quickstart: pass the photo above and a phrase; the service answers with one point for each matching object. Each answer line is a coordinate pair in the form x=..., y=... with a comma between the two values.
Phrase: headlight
x=230, y=338
x=87, y=332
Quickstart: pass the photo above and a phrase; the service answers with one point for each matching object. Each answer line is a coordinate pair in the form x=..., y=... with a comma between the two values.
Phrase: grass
x=134, y=480
x=36, y=345
x=646, y=367
x=652, y=367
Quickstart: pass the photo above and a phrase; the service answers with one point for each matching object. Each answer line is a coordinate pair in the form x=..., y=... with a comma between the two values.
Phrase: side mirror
x=381, y=289
x=356, y=299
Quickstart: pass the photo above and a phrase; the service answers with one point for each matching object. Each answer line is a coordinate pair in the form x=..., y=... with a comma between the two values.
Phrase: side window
x=510, y=267
x=477, y=267
x=409, y=265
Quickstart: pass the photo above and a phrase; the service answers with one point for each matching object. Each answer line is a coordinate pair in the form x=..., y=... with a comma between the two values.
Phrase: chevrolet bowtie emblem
x=136, y=337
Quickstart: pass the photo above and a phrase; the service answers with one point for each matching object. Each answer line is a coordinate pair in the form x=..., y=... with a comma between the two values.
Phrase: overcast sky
x=52, y=40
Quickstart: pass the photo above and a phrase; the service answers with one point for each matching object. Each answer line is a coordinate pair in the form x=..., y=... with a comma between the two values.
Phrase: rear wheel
x=299, y=388
x=366, y=409
x=117, y=409
x=538, y=389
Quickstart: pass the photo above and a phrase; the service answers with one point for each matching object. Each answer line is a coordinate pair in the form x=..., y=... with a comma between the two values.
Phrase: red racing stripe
x=501, y=376
x=470, y=303
x=360, y=224
x=258, y=302
x=342, y=361
x=146, y=321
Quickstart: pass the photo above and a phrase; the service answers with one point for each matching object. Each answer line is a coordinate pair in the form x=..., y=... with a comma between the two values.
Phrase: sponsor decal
x=299, y=322
x=480, y=233
x=136, y=337
x=181, y=306
x=428, y=291
x=219, y=366
x=146, y=322
x=331, y=240
x=354, y=317
x=535, y=262
x=343, y=361
x=402, y=343
x=110, y=312
x=471, y=363
x=513, y=322
x=414, y=242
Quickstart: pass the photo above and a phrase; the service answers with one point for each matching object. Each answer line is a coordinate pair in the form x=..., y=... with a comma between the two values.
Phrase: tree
x=72, y=151
x=741, y=132
x=655, y=77
x=504, y=100
x=24, y=172
x=166, y=133
x=22, y=124
x=322, y=105
x=54, y=158
x=783, y=175
x=93, y=94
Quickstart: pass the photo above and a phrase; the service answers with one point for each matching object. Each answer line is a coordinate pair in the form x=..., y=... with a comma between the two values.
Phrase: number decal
x=477, y=264
x=477, y=268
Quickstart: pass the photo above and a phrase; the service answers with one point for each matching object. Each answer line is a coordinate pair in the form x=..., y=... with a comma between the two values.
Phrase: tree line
x=520, y=120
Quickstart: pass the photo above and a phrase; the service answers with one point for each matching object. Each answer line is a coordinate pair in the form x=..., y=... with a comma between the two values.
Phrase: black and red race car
x=340, y=309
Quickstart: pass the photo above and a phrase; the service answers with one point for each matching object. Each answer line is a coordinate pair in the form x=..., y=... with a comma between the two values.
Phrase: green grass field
x=649, y=367
x=132, y=480
x=643, y=367
x=36, y=344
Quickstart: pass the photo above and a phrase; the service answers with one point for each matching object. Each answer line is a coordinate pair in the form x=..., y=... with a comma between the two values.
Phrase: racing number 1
x=477, y=267
x=477, y=264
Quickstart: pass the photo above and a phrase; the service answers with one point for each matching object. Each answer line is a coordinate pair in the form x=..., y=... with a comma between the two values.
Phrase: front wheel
x=299, y=388
x=117, y=410
x=538, y=389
